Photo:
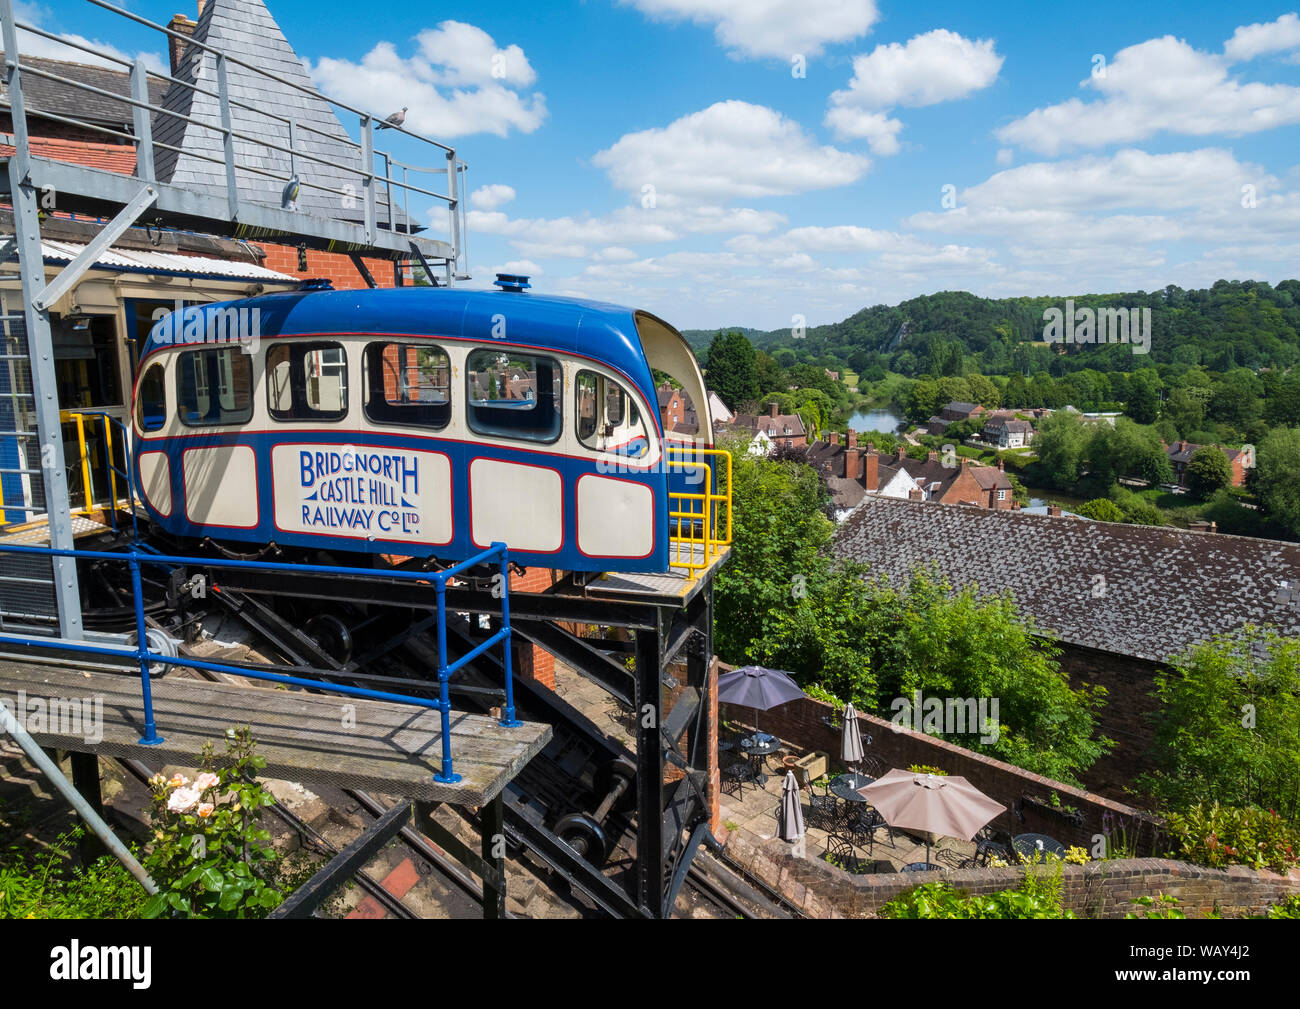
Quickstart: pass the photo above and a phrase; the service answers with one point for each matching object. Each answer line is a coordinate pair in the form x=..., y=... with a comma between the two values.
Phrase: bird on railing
x=289, y=195
x=396, y=119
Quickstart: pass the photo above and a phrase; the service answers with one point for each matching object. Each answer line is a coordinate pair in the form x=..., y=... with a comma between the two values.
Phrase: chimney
x=1002, y=466
x=916, y=494
x=851, y=464
x=771, y=409
x=176, y=47
x=932, y=456
x=853, y=438
x=835, y=437
x=1054, y=511
x=871, y=472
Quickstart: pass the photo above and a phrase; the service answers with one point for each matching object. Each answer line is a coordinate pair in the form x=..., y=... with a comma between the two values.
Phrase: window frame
x=160, y=366
x=631, y=415
x=180, y=377
x=471, y=407
x=365, y=384
x=306, y=347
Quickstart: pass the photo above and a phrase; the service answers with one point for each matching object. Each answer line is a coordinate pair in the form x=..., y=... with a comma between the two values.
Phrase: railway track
x=710, y=888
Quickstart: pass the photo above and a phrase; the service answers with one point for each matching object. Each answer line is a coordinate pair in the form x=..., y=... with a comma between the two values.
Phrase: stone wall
x=801, y=724
x=1095, y=890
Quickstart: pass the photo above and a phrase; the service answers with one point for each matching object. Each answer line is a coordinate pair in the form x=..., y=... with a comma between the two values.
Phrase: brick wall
x=1126, y=716
x=531, y=662
x=336, y=267
x=800, y=724
x=1095, y=890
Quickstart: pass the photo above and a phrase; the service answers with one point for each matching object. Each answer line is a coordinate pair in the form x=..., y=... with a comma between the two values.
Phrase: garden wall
x=1096, y=890
x=801, y=724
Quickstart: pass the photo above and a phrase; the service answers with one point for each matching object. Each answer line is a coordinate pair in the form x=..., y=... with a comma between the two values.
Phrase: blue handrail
x=136, y=557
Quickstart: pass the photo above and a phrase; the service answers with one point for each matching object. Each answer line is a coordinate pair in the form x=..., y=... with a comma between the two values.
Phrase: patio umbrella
x=790, y=823
x=851, y=742
x=757, y=688
x=950, y=805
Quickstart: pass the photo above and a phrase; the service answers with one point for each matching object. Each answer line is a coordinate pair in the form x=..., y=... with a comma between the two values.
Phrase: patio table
x=1034, y=847
x=920, y=867
x=757, y=747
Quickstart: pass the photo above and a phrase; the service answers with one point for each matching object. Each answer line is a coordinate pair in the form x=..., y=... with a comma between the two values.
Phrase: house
x=1118, y=599
x=678, y=413
x=1180, y=454
x=965, y=483
x=850, y=473
x=718, y=410
x=1010, y=433
x=956, y=411
x=782, y=429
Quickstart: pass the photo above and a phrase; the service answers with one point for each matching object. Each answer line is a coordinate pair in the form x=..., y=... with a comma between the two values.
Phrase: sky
x=771, y=163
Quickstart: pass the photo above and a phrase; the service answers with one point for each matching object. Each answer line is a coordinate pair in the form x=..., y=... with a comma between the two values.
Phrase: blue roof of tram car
x=592, y=329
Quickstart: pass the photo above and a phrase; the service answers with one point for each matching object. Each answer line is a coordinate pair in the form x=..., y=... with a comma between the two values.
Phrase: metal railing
x=146, y=657
x=282, y=148
x=699, y=522
x=92, y=500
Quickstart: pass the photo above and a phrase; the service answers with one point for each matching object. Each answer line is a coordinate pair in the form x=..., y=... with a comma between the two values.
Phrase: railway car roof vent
x=512, y=282
x=316, y=284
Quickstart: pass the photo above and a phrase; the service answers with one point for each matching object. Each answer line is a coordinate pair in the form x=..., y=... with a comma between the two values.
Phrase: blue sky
x=1088, y=147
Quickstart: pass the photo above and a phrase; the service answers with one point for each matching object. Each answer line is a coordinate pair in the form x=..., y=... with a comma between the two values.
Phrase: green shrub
x=1039, y=896
x=40, y=884
x=1219, y=836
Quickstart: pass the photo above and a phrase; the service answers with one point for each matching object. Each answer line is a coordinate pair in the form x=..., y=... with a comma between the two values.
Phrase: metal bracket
x=113, y=230
x=428, y=270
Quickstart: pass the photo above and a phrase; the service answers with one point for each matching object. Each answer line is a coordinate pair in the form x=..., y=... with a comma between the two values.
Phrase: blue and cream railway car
x=422, y=422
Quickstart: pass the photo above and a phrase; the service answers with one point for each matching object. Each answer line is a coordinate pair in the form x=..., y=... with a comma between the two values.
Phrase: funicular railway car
x=428, y=422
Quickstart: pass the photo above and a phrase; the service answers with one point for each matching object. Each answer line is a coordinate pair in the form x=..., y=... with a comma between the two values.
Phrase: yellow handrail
x=686, y=508
x=84, y=457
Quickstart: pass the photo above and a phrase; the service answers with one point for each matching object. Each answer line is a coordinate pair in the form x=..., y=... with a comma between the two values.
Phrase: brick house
x=1165, y=589
x=957, y=411
x=785, y=430
x=1180, y=454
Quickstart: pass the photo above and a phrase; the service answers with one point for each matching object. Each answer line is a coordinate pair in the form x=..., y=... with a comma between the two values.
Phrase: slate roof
x=44, y=95
x=245, y=29
x=990, y=477
x=1164, y=588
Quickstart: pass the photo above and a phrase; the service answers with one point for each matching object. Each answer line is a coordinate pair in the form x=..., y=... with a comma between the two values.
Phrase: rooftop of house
x=1021, y=426
x=1161, y=588
x=782, y=425
x=956, y=407
x=61, y=97
x=990, y=478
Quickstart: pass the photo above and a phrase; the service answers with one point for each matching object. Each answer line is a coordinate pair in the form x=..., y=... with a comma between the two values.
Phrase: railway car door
x=614, y=493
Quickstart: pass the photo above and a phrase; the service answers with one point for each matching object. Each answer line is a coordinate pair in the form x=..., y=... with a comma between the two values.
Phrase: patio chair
x=863, y=829
x=840, y=851
x=991, y=843
x=735, y=777
x=821, y=808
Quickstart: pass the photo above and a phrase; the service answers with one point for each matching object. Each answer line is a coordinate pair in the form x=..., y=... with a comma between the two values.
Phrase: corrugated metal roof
x=136, y=261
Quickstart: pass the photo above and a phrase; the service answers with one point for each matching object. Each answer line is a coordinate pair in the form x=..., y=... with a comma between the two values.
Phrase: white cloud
x=517, y=266
x=1128, y=178
x=730, y=150
x=1161, y=85
x=935, y=67
x=1005, y=156
x=779, y=28
x=492, y=196
x=1250, y=41
x=38, y=45
x=837, y=238
x=614, y=254
x=458, y=83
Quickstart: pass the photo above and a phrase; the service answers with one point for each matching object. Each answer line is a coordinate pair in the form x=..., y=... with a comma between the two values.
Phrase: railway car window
x=514, y=395
x=608, y=420
x=407, y=383
x=307, y=381
x=151, y=402
x=214, y=387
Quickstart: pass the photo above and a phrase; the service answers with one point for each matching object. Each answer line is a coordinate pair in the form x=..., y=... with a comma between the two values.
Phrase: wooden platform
x=390, y=748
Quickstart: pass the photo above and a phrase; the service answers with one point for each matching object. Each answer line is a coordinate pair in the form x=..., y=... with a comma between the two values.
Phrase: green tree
x=1228, y=725
x=1143, y=398
x=1060, y=444
x=1276, y=478
x=1102, y=509
x=733, y=369
x=1207, y=471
